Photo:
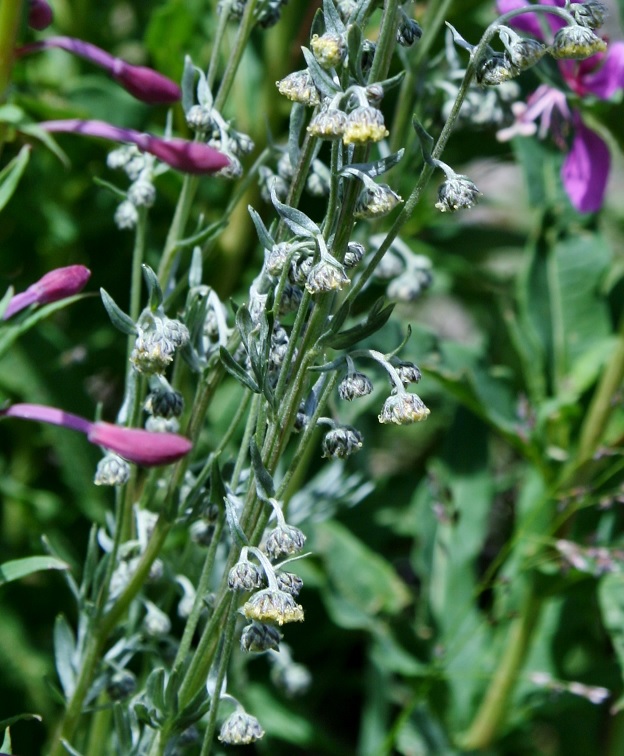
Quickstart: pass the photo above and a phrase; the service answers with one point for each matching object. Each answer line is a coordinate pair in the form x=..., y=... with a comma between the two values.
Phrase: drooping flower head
x=551, y=111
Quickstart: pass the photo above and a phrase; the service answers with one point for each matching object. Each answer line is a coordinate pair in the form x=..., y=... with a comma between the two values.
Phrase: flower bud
x=377, y=202
x=522, y=52
x=140, y=446
x=121, y=685
x=155, y=622
x=409, y=286
x=408, y=372
x=328, y=123
x=342, y=442
x=258, y=637
x=52, y=287
x=576, y=43
x=300, y=269
x=403, y=408
x=409, y=31
x=158, y=337
x=326, y=276
x=289, y=583
x=40, y=15
x=156, y=424
x=126, y=216
x=591, y=13
x=299, y=87
x=164, y=403
x=277, y=258
x=112, y=471
x=240, y=728
x=284, y=540
x=245, y=576
x=329, y=49
x=199, y=118
x=273, y=607
x=293, y=679
x=145, y=84
x=457, y=193
x=353, y=386
x=142, y=193
x=365, y=124
x=354, y=254
x=495, y=69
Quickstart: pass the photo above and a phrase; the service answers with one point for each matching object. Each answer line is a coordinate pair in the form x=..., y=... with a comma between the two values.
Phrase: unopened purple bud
x=190, y=157
x=132, y=444
x=140, y=446
x=145, y=84
x=55, y=285
x=40, y=15
x=141, y=82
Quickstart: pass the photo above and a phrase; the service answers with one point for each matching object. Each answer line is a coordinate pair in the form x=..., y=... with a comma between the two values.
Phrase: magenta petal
x=140, y=446
x=608, y=79
x=530, y=22
x=586, y=169
x=43, y=414
x=146, y=84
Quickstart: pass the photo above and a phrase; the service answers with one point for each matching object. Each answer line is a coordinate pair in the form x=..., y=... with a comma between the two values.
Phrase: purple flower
x=55, y=285
x=143, y=83
x=133, y=444
x=189, y=157
x=586, y=167
x=40, y=14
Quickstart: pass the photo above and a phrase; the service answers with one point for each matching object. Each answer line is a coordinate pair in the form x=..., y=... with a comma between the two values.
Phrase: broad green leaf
x=358, y=575
x=19, y=568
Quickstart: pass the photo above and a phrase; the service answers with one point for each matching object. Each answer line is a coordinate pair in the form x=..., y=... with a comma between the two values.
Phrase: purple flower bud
x=133, y=444
x=55, y=285
x=190, y=157
x=40, y=15
x=143, y=83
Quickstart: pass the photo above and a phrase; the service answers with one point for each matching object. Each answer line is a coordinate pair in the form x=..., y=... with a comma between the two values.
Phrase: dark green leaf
x=264, y=481
x=237, y=371
x=376, y=319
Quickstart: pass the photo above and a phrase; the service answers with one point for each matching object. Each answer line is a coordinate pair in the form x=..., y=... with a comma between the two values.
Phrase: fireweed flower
x=185, y=156
x=40, y=15
x=132, y=444
x=548, y=110
x=141, y=82
x=55, y=285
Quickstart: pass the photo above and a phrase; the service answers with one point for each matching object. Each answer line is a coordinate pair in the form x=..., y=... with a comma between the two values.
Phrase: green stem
x=224, y=659
x=494, y=707
x=10, y=18
x=176, y=230
x=244, y=30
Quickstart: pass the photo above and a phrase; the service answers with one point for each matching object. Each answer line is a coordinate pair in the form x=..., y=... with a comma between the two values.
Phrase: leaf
x=264, y=481
x=264, y=236
x=237, y=371
x=297, y=222
x=375, y=168
x=11, y=174
x=377, y=318
x=322, y=80
x=153, y=288
x=358, y=576
x=332, y=18
x=19, y=568
x=64, y=651
x=354, y=47
x=118, y=317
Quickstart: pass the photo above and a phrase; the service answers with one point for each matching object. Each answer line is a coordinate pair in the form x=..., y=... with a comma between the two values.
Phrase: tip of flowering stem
x=146, y=84
x=142, y=447
x=53, y=286
x=40, y=15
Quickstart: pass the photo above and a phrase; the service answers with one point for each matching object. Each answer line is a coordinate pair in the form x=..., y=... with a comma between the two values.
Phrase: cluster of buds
x=141, y=193
x=575, y=41
x=266, y=12
x=158, y=337
x=163, y=405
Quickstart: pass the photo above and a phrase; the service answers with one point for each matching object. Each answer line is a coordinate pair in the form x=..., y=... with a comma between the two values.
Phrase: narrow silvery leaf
x=19, y=568
x=377, y=318
x=236, y=371
x=188, y=84
x=155, y=688
x=377, y=167
x=459, y=40
x=426, y=140
x=204, y=95
x=264, y=236
x=118, y=317
x=264, y=481
x=333, y=21
x=153, y=288
x=196, y=269
x=64, y=650
x=354, y=46
x=295, y=126
x=392, y=82
x=297, y=222
x=235, y=529
x=322, y=80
